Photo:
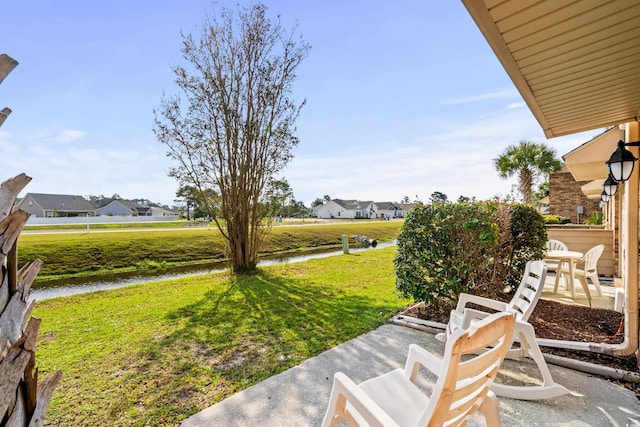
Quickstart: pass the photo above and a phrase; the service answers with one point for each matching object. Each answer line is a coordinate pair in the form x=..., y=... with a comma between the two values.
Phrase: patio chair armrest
x=465, y=299
x=359, y=400
x=419, y=356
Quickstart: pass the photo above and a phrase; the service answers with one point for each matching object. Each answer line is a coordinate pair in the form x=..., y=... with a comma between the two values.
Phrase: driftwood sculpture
x=23, y=402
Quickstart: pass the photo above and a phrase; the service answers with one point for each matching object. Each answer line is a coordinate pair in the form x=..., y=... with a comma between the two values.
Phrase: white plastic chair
x=462, y=387
x=523, y=303
x=590, y=270
x=554, y=245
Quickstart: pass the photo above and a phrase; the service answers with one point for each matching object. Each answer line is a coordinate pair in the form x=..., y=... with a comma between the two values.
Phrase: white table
x=569, y=257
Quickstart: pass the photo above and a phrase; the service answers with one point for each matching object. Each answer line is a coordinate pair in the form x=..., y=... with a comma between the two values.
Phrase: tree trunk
x=23, y=402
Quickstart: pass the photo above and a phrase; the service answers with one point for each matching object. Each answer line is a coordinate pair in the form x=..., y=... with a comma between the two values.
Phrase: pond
x=48, y=289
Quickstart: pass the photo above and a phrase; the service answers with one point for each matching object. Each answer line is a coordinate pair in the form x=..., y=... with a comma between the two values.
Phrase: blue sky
x=403, y=98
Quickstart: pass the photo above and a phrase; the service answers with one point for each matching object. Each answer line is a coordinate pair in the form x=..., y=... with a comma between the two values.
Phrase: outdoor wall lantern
x=622, y=161
x=604, y=197
x=610, y=186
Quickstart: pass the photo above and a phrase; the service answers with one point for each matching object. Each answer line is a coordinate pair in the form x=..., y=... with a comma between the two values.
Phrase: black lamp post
x=622, y=161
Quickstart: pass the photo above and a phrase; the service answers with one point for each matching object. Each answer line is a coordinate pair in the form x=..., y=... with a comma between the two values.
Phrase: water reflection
x=61, y=288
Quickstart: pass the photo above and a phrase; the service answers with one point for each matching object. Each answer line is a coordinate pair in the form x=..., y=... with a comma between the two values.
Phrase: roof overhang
x=574, y=62
x=588, y=161
x=593, y=190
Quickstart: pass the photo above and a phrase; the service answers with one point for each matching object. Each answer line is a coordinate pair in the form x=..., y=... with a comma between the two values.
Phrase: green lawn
x=100, y=252
x=154, y=354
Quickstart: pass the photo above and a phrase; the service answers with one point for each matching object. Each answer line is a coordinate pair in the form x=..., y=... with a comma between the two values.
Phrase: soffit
x=593, y=189
x=588, y=161
x=574, y=62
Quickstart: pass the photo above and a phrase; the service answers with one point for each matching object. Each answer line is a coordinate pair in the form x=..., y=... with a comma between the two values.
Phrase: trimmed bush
x=555, y=219
x=479, y=248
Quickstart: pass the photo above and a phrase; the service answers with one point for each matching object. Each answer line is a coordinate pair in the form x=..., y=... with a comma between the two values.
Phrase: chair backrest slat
x=526, y=296
x=591, y=258
x=556, y=245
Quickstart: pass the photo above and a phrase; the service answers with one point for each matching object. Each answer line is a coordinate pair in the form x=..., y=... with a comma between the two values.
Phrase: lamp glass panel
x=610, y=186
x=610, y=189
x=621, y=171
x=627, y=169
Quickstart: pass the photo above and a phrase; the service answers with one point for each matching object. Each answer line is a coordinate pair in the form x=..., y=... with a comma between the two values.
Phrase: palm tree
x=529, y=160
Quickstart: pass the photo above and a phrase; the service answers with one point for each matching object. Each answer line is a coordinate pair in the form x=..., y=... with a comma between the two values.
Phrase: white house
x=386, y=210
x=124, y=208
x=346, y=209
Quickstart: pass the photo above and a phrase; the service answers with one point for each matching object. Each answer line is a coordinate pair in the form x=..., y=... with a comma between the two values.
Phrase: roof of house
x=386, y=205
x=62, y=202
x=407, y=206
x=160, y=211
x=353, y=204
x=588, y=161
x=133, y=206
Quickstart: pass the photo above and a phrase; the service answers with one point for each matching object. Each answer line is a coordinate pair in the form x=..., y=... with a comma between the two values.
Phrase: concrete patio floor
x=564, y=295
x=299, y=396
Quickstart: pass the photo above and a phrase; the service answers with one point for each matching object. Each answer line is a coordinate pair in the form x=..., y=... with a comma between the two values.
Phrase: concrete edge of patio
x=299, y=396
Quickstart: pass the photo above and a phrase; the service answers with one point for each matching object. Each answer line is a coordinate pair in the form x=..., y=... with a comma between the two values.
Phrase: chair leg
x=548, y=389
x=585, y=286
x=596, y=282
x=557, y=281
x=489, y=408
x=336, y=411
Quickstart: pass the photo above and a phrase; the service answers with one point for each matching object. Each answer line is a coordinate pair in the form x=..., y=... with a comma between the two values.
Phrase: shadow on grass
x=247, y=331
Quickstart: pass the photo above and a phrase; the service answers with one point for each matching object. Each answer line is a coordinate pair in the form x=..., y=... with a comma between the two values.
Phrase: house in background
x=124, y=208
x=386, y=210
x=156, y=211
x=346, y=209
x=56, y=205
x=404, y=208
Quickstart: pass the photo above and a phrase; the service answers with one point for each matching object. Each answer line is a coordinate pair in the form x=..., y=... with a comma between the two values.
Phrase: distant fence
x=99, y=219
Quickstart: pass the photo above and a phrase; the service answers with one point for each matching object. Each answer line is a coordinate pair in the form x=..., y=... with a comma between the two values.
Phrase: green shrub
x=555, y=219
x=480, y=248
x=596, y=218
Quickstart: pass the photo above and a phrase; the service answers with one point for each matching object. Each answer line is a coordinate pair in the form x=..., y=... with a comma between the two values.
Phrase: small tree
x=438, y=197
x=276, y=194
x=529, y=160
x=235, y=128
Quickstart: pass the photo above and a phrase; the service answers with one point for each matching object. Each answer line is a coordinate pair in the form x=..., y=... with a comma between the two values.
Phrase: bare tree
x=234, y=129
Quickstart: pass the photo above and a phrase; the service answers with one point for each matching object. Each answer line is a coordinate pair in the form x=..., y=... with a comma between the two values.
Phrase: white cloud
x=68, y=135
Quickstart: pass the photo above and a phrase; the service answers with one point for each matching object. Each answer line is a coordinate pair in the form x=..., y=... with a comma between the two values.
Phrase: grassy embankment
x=154, y=354
x=95, y=252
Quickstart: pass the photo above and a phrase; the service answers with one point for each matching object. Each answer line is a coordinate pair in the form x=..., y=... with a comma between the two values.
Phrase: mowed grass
x=154, y=354
x=98, y=252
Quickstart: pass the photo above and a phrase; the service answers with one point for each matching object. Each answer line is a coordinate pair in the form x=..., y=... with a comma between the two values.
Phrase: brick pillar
x=565, y=196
